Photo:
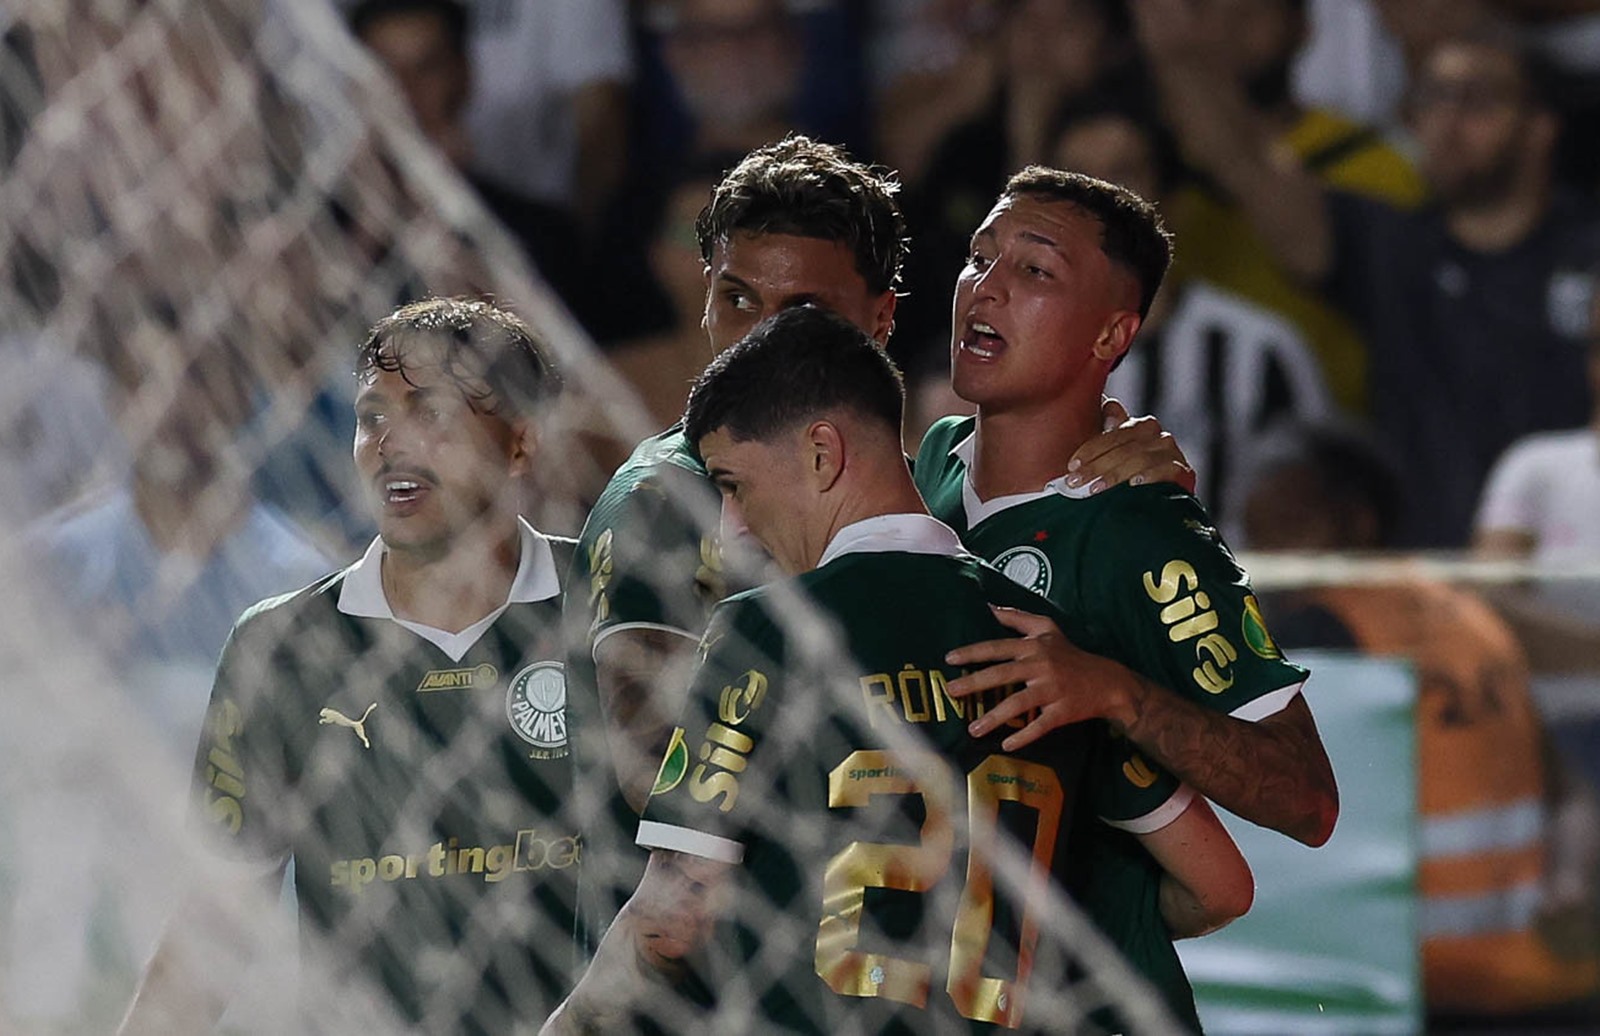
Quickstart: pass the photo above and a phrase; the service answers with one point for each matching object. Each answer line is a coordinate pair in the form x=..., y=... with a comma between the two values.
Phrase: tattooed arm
x=1273, y=772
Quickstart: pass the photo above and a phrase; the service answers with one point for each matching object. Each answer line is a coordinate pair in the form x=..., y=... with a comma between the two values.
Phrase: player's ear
x=824, y=454
x=521, y=446
x=1117, y=335
x=883, y=317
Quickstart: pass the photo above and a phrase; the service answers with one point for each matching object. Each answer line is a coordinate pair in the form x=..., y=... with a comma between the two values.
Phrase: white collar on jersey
x=977, y=510
x=904, y=533
x=536, y=580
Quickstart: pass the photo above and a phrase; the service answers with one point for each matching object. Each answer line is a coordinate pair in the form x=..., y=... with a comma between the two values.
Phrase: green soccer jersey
x=844, y=782
x=648, y=559
x=1147, y=581
x=417, y=779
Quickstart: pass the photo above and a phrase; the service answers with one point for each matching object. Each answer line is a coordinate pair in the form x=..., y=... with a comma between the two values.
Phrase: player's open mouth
x=400, y=491
x=982, y=341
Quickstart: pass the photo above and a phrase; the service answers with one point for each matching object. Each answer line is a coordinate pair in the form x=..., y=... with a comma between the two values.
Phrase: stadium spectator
x=996, y=115
x=155, y=565
x=424, y=45
x=1509, y=836
x=1062, y=272
x=549, y=109
x=1475, y=307
x=799, y=425
x=1216, y=366
x=1222, y=71
x=398, y=728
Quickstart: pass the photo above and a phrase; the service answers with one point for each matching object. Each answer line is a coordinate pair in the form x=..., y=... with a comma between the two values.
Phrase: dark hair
x=453, y=13
x=1134, y=106
x=1350, y=464
x=1543, y=86
x=491, y=354
x=806, y=188
x=1132, y=233
x=796, y=365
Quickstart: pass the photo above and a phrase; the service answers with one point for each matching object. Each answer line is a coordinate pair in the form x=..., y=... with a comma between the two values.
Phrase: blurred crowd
x=1384, y=211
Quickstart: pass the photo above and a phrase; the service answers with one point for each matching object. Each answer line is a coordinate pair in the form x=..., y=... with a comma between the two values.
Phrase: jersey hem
x=1269, y=704
x=1159, y=817
x=655, y=835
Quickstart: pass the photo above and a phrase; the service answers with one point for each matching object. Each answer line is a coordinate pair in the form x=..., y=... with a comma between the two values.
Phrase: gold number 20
x=917, y=868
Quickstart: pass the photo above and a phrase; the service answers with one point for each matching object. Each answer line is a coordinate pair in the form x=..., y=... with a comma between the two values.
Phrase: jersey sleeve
x=240, y=778
x=647, y=563
x=1181, y=610
x=1128, y=791
x=711, y=778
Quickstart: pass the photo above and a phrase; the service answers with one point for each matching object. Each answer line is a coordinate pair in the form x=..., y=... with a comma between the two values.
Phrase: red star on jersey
x=1040, y=536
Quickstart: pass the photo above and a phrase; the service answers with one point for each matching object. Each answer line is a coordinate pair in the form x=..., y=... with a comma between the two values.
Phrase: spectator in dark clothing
x=1475, y=308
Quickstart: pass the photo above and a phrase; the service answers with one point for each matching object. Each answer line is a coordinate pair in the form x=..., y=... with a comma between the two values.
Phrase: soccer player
x=842, y=780
x=1061, y=273
x=398, y=728
x=796, y=222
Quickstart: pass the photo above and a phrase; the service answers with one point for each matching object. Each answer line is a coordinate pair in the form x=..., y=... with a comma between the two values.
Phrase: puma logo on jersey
x=339, y=719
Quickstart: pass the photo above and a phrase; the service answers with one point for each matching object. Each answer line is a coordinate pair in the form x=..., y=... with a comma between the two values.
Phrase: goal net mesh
x=204, y=207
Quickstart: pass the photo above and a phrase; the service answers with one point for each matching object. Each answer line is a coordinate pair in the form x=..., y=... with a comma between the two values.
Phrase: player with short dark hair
x=1169, y=646
x=840, y=777
x=398, y=728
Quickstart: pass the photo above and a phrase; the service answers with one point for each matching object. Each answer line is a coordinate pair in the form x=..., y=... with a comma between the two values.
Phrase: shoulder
x=943, y=436
x=659, y=466
x=276, y=619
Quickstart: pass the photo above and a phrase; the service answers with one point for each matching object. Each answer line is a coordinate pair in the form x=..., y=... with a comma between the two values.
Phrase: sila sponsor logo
x=494, y=863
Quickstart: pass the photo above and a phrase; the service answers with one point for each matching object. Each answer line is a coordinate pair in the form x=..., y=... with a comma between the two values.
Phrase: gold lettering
x=730, y=738
x=878, y=690
x=737, y=703
x=941, y=696
x=1211, y=681
x=718, y=756
x=1138, y=771
x=1205, y=622
x=910, y=677
x=706, y=788
x=1174, y=577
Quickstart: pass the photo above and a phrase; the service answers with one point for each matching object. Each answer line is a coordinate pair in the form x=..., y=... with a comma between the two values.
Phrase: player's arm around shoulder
x=1204, y=691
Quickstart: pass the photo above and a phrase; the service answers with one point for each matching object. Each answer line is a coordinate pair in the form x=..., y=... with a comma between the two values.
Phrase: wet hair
x=795, y=366
x=492, y=355
x=1132, y=233
x=807, y=188
x=453, y=14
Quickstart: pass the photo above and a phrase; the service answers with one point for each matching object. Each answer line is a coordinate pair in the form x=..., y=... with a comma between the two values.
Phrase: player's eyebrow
x=734, y=280
x=1040, y=239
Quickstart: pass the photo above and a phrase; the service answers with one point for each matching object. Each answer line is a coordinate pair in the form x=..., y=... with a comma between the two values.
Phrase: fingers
x=1008, y=650
x=990, y=678
x=1026, y=623
x=1156, y=459
x=1112, y=413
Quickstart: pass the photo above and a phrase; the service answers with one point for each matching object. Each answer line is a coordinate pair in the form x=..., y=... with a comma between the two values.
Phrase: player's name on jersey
x=914, y=695
x=446, y=859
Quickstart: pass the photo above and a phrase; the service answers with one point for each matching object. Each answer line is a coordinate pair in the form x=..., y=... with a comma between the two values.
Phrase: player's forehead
x=411, y=364
x=727, y=457
x=786, y=269
x=1043, y=220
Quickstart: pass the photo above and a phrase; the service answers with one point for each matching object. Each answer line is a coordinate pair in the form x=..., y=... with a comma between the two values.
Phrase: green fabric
x=372, y=825
x=773, y=711
x=1145, y=579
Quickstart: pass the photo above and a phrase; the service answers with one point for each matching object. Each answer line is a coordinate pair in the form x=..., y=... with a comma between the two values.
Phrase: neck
x=872, y=494
x=1494, y=226
x=1020, y=451
x=453, y=588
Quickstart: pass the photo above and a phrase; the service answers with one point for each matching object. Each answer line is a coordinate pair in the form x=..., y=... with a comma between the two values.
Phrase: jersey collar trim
x=903, y=533
x=977, y=510
x=536, y=579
